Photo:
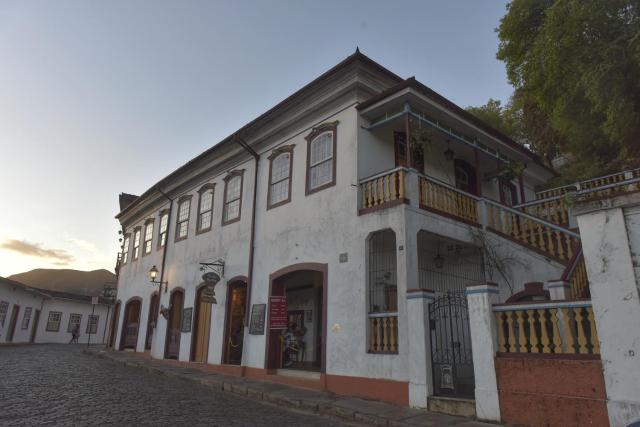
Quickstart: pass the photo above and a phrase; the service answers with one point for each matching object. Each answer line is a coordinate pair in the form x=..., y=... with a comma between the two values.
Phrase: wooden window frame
x=225, y=203
x=181, y=200
x=69, y=330
x=316, y=132
x=126, y=243
x=287, y=149
x=166, y=231
x=148, y=223
x=4, y=311
x=136, y=254
x=48, y=329
x=512, y=188
x=201, y=192
x=26, y=316
x=88, y=330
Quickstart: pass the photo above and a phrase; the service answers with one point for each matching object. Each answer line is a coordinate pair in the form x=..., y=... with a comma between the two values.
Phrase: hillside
x=65, y=280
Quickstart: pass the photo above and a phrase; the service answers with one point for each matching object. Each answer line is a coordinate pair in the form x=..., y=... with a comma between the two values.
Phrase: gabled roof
x=46, y=293
x=432, y=95
x=357, y=56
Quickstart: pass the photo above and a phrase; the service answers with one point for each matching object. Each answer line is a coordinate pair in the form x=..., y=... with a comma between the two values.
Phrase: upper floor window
x=232, y=197
x=125, y=249
x=281, y=162
x=148, y=236
x=26, y=318
x=182, y=225
x=321, y=157
x=162, y=230
x=136, y=242
x=53, y=323
x=205, y=208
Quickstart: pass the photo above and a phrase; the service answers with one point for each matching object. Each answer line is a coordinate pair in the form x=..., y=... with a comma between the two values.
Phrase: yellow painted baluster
x=372, y=335
x=387, y=190
x=522, y=338
x=568, y=331
x=500, y=323
x=557, y=341
x=560, y=244
x=544, y=337
x=381, y=190
x=512, y=336
x=401, y=186
x=369, y=195
x=533, y=337
x=593, y=336
x=582, y=339
x=541, y=237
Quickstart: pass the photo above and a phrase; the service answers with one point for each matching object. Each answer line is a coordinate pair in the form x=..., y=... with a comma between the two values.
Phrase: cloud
x=58, y=256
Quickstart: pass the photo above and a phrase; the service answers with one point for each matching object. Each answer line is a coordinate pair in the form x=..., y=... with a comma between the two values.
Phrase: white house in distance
x=346, y=224
x=31, y=315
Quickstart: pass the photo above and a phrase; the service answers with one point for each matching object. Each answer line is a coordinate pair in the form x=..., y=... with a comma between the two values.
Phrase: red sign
x=278, y=318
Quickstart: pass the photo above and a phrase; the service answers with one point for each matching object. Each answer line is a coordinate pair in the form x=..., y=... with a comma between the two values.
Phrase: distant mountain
x=65, y=280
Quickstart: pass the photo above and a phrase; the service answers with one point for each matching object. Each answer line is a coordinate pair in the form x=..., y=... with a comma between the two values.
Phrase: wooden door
x=131, y=325
x=34, y=326
x=202, y=328
x=172, y=349
x=234, y=333
x=152, y=320
x=12, y=322
x=114, y=325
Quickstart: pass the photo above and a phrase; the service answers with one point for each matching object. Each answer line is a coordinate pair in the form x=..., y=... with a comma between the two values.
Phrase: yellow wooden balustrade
x=554, y=241
x=578, y=281
x=447, y=200
x=383, y=334
x=589, y=184
x=383, y=189
x=551, y=328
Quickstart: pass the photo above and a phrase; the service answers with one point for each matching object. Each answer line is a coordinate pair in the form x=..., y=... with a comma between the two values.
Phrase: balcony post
x=558, y=289
x=484, y=345
x=420, y=381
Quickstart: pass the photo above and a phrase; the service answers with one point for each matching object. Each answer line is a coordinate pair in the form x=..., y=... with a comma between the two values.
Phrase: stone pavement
x=350, y=409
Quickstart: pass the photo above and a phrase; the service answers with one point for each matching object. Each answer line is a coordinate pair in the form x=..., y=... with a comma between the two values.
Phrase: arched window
x=280, y=176
x=182, y=224
x=205, y=208
x=382, y=293
x=465, y=175
x=321, y=158
x=232, y=197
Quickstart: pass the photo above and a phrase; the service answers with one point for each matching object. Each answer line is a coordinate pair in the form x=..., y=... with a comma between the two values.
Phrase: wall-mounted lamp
x=449, y=154
x=153, y=274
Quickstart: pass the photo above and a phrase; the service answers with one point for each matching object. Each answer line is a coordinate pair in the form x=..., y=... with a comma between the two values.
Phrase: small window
x=92, y=324
x=232, y=198
x=280, y=176
x=205, y=208
x=26, y=318
x=136, y=243
x=182, y=226
x=321, y=158
x=125, y=249
x=53, y=324
x=162, y=232
x=4, y=307
x=74, y=322
x=148, y=236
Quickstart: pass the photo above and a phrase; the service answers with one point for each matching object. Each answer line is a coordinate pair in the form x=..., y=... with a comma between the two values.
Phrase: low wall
x=551, y=390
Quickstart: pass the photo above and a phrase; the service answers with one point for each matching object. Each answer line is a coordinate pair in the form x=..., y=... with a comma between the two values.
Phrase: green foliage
x=575, y=66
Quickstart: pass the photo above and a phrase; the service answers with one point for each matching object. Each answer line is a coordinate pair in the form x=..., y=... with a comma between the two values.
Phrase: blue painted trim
x=481, y=291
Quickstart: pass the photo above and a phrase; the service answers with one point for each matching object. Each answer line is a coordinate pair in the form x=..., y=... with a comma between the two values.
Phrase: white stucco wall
x=67, y=307
x=18, y=296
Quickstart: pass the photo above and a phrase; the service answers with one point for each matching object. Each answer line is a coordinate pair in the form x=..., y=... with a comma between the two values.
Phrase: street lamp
x=153, y=274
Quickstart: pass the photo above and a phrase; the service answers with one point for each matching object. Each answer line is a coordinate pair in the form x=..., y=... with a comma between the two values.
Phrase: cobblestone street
x=59, y=385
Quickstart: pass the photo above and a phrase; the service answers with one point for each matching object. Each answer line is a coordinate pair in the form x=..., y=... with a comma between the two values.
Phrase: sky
x=103, y=97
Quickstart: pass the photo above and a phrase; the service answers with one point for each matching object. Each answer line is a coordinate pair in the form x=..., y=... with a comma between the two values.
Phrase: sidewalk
x=317, y=402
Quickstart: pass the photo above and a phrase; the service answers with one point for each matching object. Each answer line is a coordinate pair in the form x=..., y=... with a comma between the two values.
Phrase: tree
x=575, y=66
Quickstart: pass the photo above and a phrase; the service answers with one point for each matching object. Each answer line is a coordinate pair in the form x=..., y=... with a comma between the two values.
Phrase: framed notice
x=187, y=314
x=258, y=313
x=278, y=318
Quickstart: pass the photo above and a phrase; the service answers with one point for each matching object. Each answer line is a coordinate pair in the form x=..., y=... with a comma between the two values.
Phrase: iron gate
x=451, y=358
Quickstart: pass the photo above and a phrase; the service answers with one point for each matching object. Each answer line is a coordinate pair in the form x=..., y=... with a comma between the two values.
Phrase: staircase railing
x=575, y=274
x=606, y=180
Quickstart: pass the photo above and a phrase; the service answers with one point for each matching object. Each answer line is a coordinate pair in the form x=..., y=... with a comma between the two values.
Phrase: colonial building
x=345, y=224
x=32, y=315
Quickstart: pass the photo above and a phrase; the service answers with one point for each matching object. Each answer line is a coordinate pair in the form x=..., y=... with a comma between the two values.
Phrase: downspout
x=256, y=157
x=164, y=257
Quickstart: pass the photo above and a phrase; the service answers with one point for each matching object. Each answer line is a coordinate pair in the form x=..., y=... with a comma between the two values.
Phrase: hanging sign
x=208, y=295
x=258, y=312
x=278, y=318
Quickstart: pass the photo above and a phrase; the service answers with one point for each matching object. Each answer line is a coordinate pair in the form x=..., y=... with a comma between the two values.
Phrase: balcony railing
x=607, y=180
x=387, y=188
x=576, y=275
x=564, y=327
x=446, y=199
x=383, y=333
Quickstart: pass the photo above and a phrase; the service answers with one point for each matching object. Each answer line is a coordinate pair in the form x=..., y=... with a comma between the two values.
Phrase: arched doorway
x=174, y=324
x=302, y=346
x=234, y=322
x=130, y=324
x=465, y=176
x=152, y=320
x=114, y=325
x=201, y=328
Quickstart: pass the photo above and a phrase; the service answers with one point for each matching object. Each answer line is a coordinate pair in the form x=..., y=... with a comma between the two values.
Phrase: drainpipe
x=164, y=257
x=256, y=157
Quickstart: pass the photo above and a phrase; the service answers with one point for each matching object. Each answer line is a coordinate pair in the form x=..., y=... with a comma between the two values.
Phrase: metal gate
x=451, y=358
